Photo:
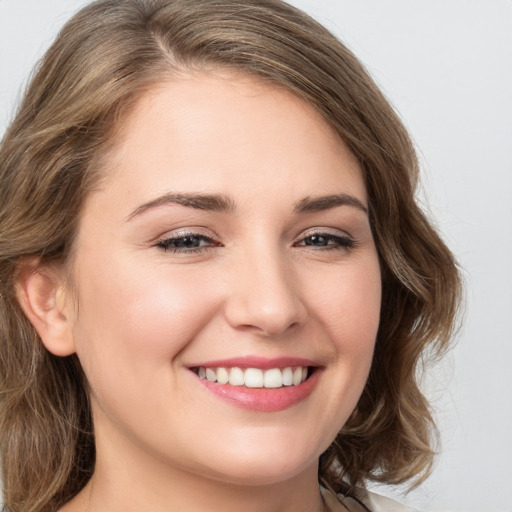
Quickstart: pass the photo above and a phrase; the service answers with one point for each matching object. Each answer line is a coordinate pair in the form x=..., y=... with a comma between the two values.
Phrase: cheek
x=131, y=320
x=348, y=306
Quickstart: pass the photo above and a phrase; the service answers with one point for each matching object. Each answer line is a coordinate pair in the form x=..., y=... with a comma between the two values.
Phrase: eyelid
x=325, y=231
x=165, y=241
x=212, y=240
x=188, y=231
x=339, y=240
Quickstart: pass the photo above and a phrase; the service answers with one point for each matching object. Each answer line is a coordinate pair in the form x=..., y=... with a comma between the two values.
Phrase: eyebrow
x=316, y=204
x=223, y=203
x=209, y=202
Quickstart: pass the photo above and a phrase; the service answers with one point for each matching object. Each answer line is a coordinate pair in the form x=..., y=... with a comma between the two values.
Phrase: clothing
x=365, y=501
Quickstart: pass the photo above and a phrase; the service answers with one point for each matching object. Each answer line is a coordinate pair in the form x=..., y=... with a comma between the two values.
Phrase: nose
x=263, y=295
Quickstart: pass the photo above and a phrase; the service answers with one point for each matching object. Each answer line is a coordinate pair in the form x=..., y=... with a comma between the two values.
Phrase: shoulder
x=363, y=501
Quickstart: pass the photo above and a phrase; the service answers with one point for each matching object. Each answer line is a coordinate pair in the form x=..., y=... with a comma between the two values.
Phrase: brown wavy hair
x=103, y=60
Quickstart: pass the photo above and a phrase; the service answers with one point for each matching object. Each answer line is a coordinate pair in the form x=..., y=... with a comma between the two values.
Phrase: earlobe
x=41, y=292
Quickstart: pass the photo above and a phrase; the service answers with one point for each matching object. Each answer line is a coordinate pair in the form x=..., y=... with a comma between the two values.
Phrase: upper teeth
x=255, y=377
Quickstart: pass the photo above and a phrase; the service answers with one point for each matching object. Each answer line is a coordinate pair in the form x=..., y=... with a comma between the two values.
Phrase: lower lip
x=263, y=399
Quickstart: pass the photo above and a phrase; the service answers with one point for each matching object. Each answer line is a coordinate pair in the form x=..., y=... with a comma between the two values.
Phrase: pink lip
x=261, y=399
x=256, y=362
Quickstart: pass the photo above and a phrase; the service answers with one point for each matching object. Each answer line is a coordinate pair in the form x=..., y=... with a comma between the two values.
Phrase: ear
x=41, y=291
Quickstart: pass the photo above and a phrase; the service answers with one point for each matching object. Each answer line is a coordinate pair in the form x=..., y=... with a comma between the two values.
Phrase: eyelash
x=166, y=244
x=340, y=242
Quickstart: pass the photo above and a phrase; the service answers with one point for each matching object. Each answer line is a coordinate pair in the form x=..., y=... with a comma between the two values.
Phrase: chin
x=259, y=474
x=263, y=465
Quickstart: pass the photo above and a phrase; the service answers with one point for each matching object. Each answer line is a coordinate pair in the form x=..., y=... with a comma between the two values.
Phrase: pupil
x=316, y=240
x=188, y=242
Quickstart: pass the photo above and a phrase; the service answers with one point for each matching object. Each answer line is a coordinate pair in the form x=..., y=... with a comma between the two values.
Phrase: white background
x=446, y=65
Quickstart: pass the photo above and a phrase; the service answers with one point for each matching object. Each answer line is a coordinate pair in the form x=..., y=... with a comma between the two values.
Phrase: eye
x=187, y=243
x=327, y=241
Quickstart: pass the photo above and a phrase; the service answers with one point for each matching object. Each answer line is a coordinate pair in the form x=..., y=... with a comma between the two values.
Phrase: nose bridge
x=263, y=292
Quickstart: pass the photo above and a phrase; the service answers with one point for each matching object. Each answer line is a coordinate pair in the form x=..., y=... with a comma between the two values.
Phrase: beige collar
x=366, y=502
x=341, y=503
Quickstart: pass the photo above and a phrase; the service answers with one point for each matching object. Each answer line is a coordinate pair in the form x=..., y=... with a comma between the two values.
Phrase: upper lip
x=256, y=362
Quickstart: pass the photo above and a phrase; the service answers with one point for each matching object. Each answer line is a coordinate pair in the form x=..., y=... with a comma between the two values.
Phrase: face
x=227, y=282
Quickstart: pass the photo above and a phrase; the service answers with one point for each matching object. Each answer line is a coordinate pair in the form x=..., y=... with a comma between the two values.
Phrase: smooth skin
x=155, y=287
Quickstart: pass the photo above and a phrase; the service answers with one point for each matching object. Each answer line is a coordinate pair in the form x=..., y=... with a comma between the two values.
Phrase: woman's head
x=116, y=58
x=230, y=234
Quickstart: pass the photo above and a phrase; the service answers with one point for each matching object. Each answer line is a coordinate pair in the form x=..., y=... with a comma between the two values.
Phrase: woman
x=216, y=284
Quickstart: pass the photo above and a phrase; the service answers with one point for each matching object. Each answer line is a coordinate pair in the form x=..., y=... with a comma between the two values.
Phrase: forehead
x=218, y=129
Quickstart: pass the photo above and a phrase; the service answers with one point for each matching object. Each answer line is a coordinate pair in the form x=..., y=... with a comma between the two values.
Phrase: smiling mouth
x=254, y=378
x=259, y=384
